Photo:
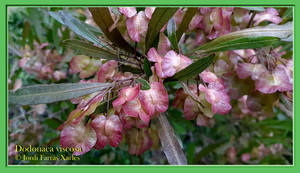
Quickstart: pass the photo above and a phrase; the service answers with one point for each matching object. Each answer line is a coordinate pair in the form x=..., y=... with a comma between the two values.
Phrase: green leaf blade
x=89, y=49
x=78, y=27
x=243, y=43
x=192, y=70
x=280, y=31
x=49, y=93
x=171, y=30
x=187, y=18
x=147, y=67
x=104, y=20
x=169, y=142
x=159, y=18
x=145, y=84
x=58, y=18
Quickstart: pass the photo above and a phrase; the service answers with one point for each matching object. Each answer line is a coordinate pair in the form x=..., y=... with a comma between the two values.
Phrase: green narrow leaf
x=145, y=84
x=243, y=43
x=171, y=30
x=25, y=33
x=35, y=19
x=193, y=69
x=159, y=18
x=30, y=40
x=103, y=107
x=58, y=17
x=78, y=27
x=147, y=67
x=49, y=93
x=191, y=152
x=248, y=38
x=255, y=8
x=169, y=141
x=189, y=14
x=277, y=124
x=89, y=49
x=288, y=13
x=55, y=37
x=287, y=16
x=104, y=20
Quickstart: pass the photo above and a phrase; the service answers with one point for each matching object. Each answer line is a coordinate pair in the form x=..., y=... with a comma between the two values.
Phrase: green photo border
x=202, y=168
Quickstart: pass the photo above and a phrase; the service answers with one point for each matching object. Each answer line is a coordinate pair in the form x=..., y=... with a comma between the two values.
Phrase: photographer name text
x=31, y=149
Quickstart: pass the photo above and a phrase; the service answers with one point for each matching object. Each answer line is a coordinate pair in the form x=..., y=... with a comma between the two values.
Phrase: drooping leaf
x=58, y=17
x=255, y=8
x=104, y=106
x=192, y=70
x=159, y=18
x=189, y=14
x=169, y=142
x=77, y=26
x=171, y=30
x=248, y=38
x=104, y=20
x=145, y=84
x=89, y=49
x=48, y=93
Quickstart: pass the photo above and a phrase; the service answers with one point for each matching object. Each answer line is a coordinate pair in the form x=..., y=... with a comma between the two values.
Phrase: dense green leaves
x=248, y=38
x=90, y=50
x=159, y=18
x=103, y=19
x=49, y=93
x=193, y=69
